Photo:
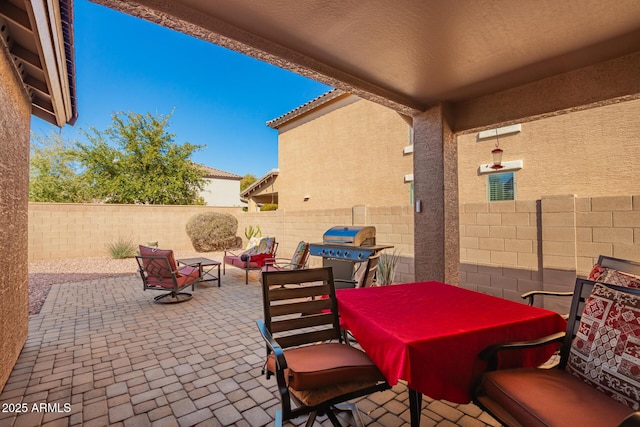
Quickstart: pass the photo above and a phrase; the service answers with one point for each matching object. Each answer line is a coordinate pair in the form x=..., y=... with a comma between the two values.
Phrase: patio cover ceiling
x=411, y=55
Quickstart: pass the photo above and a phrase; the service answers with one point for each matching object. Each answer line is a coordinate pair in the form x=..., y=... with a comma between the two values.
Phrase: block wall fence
x=506, y=248
x=511, y=247
x=61, y=230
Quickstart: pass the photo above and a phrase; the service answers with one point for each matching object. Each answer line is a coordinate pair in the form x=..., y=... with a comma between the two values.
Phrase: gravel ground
x=44, y=273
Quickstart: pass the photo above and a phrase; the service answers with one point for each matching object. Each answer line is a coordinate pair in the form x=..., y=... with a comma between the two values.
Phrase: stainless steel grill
x=344, y=247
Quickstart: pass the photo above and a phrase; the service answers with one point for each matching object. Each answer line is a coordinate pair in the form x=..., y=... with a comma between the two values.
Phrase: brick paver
x=105, y=354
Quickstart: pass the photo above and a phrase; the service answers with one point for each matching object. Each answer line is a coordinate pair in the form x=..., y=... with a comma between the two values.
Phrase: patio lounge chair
x=313, y=373
x=297, y=261
x=159, y=272
x=596, y=382
x=252, y=259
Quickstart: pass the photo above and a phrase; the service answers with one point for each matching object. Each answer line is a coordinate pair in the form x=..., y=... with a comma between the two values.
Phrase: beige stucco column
x=435, y=173
x=15, y=115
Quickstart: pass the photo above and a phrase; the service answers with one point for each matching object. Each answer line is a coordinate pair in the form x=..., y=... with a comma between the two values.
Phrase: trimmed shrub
x=213, y=231
x=269, y=207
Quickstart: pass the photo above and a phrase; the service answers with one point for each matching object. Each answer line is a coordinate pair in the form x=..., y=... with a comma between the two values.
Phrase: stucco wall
x=65, y=230
x=221, y=192
x=15, y=110
x=589, y=153
x=347, y=157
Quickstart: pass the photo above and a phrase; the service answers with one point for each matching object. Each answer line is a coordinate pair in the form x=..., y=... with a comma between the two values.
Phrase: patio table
x=206, y=275
x=430, y=333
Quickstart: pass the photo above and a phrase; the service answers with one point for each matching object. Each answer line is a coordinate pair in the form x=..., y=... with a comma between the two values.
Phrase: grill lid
x=351, y=235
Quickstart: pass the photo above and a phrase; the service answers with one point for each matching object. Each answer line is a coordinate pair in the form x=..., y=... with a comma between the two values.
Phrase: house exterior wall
x=592, y=153
x=221, y=192
x=15, y=113
x=350, y=156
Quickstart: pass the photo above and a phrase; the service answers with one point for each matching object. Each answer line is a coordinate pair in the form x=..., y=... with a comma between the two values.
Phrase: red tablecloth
x=430, y=333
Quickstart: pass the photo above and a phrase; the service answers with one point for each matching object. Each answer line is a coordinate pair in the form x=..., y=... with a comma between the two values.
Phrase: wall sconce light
x=306, y=198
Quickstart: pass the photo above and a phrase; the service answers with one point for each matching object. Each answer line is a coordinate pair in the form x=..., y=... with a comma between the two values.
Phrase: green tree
x=135, y=160
x=246, y=181
x=53, y=171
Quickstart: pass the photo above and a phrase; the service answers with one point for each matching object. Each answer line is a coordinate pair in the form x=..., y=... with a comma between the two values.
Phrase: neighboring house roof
x=305, y=108
x=257, y=186
x=217, y=173
x=39, y=38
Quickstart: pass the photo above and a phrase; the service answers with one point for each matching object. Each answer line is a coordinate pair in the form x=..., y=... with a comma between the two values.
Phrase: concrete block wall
x=508, y=248
x=500, y=247
x=66, y=230
x=607, y=226
x=394, y=226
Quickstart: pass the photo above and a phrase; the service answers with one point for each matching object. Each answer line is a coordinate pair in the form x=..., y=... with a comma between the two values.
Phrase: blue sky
x=221, y=98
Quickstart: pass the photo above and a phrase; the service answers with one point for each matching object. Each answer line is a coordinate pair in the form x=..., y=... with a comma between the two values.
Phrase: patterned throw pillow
x=606, y=350
x=614, y=277
x=597, y=272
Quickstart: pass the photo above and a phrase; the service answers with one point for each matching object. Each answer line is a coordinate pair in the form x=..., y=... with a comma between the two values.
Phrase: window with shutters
x=501, y=186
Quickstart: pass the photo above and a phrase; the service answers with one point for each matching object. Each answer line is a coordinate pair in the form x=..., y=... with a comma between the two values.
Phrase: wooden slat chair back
x=289, y=296
x=312, y=366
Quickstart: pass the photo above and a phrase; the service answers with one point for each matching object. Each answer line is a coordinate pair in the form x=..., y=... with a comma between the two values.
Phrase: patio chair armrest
x=273, y=345
x=272, y=261
x=228, y=252
x=344, y=283
x=633, y=420
x=531, y=295
x=490, y=354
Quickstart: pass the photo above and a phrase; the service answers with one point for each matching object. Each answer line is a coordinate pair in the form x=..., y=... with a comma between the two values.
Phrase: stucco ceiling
x=412, y=54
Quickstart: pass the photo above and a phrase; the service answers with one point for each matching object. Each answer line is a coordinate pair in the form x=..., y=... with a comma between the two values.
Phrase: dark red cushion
x=157, y=268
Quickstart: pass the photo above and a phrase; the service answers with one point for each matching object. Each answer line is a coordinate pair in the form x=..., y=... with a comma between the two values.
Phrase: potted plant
x=387, y=267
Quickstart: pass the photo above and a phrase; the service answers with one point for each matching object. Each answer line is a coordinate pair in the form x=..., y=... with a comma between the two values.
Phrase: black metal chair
x=312, y=372
x=159, y=272
x=622, y=265
x=551, y=397
x=363, y=277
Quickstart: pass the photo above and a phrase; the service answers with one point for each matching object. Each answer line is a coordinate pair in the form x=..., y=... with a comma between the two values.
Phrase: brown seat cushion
x=548, y=397
x=326, y=364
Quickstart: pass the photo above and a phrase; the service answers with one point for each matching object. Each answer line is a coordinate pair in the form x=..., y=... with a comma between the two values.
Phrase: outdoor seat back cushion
x=601, y=384
x=157, y=267
x=300, y=255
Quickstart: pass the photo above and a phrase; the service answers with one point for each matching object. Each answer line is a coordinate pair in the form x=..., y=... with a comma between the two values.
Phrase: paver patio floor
x=102, y=353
